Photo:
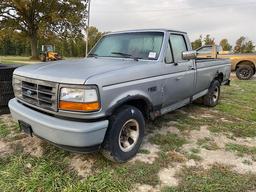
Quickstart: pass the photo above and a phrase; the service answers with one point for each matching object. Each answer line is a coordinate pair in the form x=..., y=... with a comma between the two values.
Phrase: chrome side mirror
x=188, y=55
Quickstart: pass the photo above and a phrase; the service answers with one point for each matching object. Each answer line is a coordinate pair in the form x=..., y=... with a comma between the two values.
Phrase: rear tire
x=124, y=135
x=43, y=57
x=213, y=95
x=244, y=72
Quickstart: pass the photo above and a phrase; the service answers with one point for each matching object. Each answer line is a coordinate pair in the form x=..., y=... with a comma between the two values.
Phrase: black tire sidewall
x=244, y=67
x=208, y=100
x=111, y=142
x=43, y=57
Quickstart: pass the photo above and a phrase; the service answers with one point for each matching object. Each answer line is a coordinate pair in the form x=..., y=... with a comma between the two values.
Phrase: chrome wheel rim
x=129, y=135
x=215, y=94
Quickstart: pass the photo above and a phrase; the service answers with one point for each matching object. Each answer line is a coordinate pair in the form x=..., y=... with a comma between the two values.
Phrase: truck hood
x=73, y=71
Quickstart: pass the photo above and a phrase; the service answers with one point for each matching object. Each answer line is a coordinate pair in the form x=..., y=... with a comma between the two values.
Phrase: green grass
x=238, y=100
x=193, y=156
x=139, y=173
x=216, y=179
x=144, y=151
x=43, y=175
x=23, y=60
x=103, y=181
x=15, y=60
x=237, y=105
x=241, y=149
x=195, y=150
x=168, y=142
x=52, y=171
x=239, y=128
x=207, y=143
x=4, y=131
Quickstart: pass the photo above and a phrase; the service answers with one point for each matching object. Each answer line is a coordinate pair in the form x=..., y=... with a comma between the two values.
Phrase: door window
x=178, y=46
x=169, y=57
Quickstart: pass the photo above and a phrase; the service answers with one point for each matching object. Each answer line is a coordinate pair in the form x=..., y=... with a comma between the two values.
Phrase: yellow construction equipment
x=48, y=53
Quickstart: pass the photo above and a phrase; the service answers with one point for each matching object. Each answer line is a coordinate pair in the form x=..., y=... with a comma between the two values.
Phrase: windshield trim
x=130, y=32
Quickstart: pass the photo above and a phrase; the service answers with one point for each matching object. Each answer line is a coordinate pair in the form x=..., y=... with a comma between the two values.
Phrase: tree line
x=15, y=43
x=243, y=45
x=26, y=25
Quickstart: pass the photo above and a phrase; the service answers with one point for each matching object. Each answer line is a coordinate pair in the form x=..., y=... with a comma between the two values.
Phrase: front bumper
x=61, y=132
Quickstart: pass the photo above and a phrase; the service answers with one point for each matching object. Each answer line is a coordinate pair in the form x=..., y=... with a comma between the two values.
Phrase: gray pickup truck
x=101, y=102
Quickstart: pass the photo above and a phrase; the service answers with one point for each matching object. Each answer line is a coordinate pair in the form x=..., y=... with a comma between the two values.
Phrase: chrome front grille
x=42, y=94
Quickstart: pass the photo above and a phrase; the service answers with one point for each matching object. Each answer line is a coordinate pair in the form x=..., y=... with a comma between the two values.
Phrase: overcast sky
x=220, y=18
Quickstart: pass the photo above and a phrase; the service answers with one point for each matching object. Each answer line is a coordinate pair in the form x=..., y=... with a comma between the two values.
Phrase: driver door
x=180, y=74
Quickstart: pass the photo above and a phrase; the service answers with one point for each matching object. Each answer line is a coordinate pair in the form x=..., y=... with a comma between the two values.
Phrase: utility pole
x=88, y=25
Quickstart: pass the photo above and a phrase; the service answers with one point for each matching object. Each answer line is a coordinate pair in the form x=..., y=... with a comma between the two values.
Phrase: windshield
x=137, y=45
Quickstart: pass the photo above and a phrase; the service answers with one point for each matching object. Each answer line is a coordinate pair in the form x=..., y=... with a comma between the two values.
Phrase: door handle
x=179, y=78
x=191, y=67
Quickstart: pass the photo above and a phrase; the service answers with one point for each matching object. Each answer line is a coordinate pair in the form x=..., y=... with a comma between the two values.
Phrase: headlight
x=79, y=99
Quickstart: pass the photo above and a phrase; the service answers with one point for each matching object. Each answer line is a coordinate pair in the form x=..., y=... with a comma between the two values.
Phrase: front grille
x=42, y=94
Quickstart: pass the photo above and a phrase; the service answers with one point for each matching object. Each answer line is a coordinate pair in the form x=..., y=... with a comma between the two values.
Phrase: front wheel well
x=143, y=105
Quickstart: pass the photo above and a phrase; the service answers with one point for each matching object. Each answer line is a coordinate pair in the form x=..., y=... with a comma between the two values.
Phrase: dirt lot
x=192, y=149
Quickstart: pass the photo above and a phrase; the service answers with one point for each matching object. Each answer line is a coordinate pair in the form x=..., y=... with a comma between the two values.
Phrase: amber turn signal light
x=75, y=106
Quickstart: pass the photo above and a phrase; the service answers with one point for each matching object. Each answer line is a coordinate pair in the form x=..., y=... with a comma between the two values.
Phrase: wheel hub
x=215, y=94
x=244, y=73
x=129, y=135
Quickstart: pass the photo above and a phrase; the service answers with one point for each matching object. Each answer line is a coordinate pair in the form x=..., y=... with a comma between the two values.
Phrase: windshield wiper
x=93, y=55
x=122, y=54
x=126, y=55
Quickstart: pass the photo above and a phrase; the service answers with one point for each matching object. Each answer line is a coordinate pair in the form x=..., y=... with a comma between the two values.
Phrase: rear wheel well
x=219, y=77
x=246, y=63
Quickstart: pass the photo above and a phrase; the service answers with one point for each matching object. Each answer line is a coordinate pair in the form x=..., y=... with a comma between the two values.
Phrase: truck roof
x=148, y=30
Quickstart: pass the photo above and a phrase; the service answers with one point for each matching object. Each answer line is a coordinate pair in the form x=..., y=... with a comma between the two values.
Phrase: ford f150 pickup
x=243, y=64
x=101, y=102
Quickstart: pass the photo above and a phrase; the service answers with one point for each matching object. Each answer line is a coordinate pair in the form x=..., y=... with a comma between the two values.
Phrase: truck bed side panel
x=207, y=71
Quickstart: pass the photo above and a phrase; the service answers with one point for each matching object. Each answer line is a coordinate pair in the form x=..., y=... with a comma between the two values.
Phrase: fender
x=129, y=97
x=245, y=61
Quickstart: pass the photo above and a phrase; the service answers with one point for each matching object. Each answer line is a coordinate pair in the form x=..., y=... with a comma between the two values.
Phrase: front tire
x=213, y=95
x=124, y=135
x=244, y=72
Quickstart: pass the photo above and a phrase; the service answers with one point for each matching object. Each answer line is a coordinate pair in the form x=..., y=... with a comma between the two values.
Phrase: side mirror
x=188, y=55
